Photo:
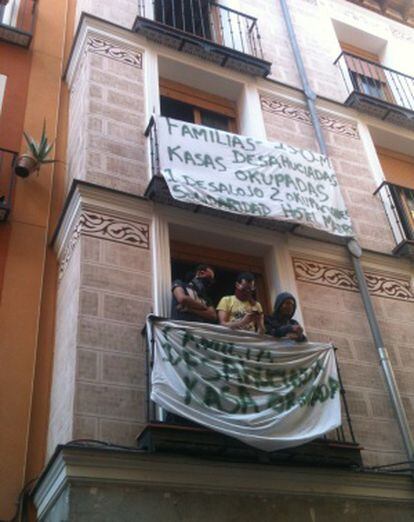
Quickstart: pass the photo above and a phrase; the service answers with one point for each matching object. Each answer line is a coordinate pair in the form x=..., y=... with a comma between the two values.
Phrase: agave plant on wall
x=36, y=155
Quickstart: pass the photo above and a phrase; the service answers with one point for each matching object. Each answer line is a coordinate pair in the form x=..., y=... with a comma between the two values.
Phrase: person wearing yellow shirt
x=241, y=311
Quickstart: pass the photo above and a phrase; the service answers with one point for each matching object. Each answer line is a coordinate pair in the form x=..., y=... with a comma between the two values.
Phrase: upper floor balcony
x=17, y=21
x=378, y=90
x=206, y=29
x=7, y=178
x=398, y=203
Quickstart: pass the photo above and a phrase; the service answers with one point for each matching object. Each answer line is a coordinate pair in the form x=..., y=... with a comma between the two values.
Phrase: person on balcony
x=281, y=323
x=190, y=301
x=242, y=311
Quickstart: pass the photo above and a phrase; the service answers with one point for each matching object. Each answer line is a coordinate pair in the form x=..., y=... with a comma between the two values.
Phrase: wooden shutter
x=398, y=168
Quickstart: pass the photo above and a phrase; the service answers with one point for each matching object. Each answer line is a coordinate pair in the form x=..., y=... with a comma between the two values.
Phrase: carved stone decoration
x=115, y=229
x=296, y=112
x=110, y=228
x=343, y=278
x=402, y=35
x=67, y=253
x=106, y=48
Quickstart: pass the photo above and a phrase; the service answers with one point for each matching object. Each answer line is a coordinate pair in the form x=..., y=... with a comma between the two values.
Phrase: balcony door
x=184, y=103
x=367, y=75
x=399, y=172
x=227, y=264
x=190, y=16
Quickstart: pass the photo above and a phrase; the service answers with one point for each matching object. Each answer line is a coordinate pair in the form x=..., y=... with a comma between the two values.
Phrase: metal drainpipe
x=355, y=253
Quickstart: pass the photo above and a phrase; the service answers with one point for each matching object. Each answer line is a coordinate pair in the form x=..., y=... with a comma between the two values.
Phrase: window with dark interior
x=367, y=75
x=194, y=106
x=185, y=257
x=190, y=16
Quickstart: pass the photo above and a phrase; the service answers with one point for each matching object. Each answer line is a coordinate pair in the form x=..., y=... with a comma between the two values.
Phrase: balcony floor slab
x=201, y=47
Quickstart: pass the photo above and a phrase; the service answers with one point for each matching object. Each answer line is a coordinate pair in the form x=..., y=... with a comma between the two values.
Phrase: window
x=185, y=256
x=367, y=85
x=9, y=13
x=184, y=103
x=399, y=173
x=367, y=75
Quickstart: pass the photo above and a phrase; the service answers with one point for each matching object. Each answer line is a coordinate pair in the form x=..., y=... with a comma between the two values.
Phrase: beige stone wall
x=318, y=56
x=120, y=12
x=64, y=362
x=289, y=122
x=107, y=118
x=332, y=314
x=110, y=383
x=104, y=295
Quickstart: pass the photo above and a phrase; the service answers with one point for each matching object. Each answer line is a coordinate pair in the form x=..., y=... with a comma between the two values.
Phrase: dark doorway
x=224, y=280
x=190, y=16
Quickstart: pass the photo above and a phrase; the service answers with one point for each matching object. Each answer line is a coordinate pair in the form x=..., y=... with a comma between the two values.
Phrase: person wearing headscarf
x=281, y=323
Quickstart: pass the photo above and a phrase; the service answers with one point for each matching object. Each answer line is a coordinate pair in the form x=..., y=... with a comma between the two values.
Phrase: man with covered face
x=190, y=301
x=281, y=323
x=242, y=311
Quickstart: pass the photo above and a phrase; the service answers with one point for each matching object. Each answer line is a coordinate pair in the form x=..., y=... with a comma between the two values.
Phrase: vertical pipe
x=310, y=95
x=355, y=252
x=385, y=363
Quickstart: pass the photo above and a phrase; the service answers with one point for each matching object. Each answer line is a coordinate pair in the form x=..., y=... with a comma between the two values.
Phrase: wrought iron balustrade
x=398, y=203
x=7, y=178
x=378, y=90
x=17, y=21
x=337, y=448
x=207, y=29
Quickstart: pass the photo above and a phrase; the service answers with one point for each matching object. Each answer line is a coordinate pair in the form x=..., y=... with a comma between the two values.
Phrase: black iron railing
x=210, y=21
x=7, y=178
x=17, y=19
x=375, y=81
x=398, y=203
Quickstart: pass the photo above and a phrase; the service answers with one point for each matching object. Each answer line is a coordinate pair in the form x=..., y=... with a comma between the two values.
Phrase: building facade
x=112, y=239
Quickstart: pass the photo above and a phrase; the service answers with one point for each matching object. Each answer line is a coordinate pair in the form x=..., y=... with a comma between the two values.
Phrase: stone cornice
x=98, y=36
x=100, y=212
x=72, y=465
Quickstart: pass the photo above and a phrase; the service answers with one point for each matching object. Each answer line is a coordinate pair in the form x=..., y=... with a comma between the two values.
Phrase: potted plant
x=36, y=155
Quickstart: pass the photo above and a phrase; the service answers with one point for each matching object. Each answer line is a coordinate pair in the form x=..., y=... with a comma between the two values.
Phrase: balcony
x=399, y=207
x=17, y=21
x=7, y=159
x=179, y=436
x=206, y=29
x=158, y=191
x=378, y=90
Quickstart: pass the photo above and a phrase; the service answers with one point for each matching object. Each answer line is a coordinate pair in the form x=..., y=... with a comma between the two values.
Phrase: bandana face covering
x=244, y=294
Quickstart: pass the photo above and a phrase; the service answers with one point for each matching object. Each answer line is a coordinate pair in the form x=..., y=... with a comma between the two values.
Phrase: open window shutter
x=397, y=168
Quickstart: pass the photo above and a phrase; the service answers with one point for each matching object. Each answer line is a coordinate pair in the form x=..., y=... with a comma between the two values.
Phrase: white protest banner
x=267, y=393
x=246, y=176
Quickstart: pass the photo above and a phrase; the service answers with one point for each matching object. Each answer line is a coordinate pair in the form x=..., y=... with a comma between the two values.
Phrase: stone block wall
x=324, y=76
x=64, y=362
x=104, y=295
x=120, y=12
x=106, y=144
x=333, y=312
x=290, y=122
